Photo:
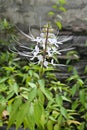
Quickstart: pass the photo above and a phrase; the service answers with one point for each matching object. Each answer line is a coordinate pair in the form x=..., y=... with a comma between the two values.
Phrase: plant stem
x=44, y=51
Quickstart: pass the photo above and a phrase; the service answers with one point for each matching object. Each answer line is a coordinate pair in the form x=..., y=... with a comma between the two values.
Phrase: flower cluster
x=46, y=48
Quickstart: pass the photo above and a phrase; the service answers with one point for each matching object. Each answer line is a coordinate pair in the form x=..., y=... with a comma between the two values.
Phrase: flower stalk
x=46, y=49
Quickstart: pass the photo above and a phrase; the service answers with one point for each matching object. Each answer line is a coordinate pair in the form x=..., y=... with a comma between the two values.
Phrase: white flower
x=43, y=41
x=45, y=63
x=54, y=49
x=37, y=48
x=38, y=39
x=35, y=52
x=49, y=51
x=42, y=35
x=40, y=58
x=46, y=44
x=52, y=62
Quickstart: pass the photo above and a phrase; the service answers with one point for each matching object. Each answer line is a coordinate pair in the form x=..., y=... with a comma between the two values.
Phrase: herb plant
x=31, y=96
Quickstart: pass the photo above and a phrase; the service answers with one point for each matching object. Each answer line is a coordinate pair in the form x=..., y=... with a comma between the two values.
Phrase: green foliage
x=39, y=101
x=7, y=33
x=79, y=90
x=32, y=97
x=58, y=7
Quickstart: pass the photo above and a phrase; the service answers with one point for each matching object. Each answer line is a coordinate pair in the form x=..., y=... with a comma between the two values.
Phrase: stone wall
x=34, y=12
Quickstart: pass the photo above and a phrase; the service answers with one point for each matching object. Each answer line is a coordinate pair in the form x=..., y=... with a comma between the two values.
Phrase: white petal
x=36, y=48
x=52, y=62
x=40, y=58
x=45, y=63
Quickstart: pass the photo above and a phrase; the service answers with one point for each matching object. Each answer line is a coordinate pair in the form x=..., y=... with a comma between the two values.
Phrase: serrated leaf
x=46, y=93
x=13, y=112
x=38, y=110
x=32, y=94
x=21, y=113
x=30, y=118
x=41, y=96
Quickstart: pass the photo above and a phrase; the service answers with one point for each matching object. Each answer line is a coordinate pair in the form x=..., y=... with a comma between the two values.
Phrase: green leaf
x=59, y=100
x=65, y=99
x=82, y=126
x=51, y=13
x=85, y=71
x=41, y=96
x=62, y=2
x=38, y=110
x=63, y=112
x=54, y=6
x=75, y=104
x=3, y=79
x=74, y=89
x=62, y=9
x=24, y=95
x=36, y=75
x=80, y=82
x=32, y=94
x=43, y=120
x=5, y=23
x=50, y=125
x=52, y=118
x=10, y=95
x=59, y=25
x=21, y=113
x=56, y=127
x=13, y=112
x=30, y=118
x=15, y=87
x=46, y=93
x=82, y=96
x=32, y=85
x=41, y=83
x=59, y=122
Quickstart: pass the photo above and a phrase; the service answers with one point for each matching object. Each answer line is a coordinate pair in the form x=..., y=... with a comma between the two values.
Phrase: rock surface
x=35, y=12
